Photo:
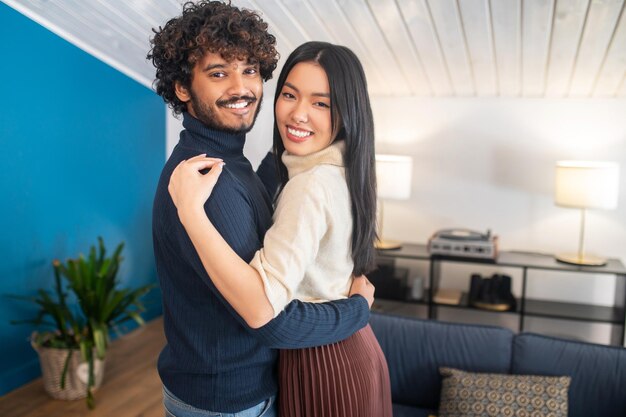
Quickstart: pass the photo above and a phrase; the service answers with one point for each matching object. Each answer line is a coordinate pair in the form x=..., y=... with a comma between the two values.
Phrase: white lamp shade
x=584, y=184
x=393, y=176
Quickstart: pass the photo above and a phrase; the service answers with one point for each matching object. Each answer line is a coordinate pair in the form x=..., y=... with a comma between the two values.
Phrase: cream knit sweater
x=306, y=254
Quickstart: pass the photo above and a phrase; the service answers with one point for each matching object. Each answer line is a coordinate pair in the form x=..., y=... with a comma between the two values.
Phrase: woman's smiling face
x=302, y=110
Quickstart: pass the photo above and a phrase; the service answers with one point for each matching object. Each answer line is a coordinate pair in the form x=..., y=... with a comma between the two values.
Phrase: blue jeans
x=174, y=407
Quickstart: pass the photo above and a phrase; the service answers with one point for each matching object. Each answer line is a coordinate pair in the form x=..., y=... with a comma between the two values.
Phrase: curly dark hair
x=208, y=26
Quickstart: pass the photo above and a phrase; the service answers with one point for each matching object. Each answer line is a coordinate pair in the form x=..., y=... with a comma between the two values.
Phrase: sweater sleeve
x=302, y=325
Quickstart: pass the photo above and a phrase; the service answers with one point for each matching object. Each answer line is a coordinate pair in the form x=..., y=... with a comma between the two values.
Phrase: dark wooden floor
x=131, y=386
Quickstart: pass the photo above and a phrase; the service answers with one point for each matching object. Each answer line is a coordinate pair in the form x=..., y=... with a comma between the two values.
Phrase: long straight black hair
x=352, y=121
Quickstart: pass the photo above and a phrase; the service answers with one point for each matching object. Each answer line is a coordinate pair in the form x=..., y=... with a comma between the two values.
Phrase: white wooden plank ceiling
x=443, y=48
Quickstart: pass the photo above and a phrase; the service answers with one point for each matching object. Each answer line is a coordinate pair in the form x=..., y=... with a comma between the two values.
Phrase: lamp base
x=387, y=244
x=574, y=259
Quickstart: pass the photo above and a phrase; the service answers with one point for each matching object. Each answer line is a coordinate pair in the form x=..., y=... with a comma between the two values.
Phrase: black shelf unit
x=524, y=261
x=464, y=304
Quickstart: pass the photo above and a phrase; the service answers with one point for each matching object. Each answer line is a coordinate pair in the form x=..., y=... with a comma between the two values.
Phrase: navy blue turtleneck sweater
x=213, y=360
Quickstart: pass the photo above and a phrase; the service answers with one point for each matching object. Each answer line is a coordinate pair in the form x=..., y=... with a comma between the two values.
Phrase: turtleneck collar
x=331, y=155
x=227, y=144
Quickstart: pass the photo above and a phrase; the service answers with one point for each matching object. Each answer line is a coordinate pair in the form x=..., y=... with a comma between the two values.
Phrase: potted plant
x=73, y=349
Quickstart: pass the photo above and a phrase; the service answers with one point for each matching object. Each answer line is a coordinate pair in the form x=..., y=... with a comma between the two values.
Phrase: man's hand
x=362, y=286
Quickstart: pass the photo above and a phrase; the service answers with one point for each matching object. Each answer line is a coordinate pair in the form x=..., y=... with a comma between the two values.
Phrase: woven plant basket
x=52, y=361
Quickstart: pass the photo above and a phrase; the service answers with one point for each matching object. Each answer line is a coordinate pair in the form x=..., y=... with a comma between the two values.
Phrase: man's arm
x=301, y=325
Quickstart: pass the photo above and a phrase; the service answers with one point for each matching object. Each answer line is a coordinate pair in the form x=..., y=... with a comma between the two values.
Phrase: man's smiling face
x=224, y=95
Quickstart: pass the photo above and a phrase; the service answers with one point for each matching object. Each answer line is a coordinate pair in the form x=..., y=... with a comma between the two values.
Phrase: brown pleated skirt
x=345, y=379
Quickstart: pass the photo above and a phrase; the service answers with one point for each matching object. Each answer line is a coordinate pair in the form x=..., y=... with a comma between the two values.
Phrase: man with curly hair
x=210, y=66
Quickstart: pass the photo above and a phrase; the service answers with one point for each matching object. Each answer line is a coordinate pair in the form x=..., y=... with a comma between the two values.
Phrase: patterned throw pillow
x=471, y=394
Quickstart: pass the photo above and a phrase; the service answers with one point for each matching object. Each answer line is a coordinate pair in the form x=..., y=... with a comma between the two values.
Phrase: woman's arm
x=238, y=282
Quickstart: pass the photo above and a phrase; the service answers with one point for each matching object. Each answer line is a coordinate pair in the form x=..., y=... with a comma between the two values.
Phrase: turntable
x=464, y=243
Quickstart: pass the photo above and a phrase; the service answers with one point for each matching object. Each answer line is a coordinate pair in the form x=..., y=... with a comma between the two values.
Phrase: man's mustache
x=233, y=100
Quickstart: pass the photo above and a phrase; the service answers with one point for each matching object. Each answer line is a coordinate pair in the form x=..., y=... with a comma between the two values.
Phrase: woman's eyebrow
x=293, y=87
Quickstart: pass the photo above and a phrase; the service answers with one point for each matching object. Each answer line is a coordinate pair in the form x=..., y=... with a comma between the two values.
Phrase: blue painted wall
x=81, y=149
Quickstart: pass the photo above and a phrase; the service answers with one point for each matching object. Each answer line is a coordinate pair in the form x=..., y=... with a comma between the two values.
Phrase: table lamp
x=393, y=177
x=585, y=185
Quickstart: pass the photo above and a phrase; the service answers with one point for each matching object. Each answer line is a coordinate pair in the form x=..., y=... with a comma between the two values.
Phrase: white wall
x=489, y=163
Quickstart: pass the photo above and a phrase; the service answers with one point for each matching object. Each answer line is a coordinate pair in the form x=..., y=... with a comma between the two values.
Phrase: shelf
x=407, y=251
x=548, y=262
x=464, y=304
x=518, y=259
x=400, y=308
x=423, y=300
x=406, y=300
x=573, y=311
x=397, y=289
x=533, y=308
x=553, y=309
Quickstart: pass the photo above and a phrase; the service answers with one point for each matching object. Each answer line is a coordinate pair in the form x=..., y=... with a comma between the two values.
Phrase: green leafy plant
x=102, y=306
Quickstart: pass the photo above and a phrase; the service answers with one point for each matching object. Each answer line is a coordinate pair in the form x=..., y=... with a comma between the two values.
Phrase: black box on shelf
x=390, y=282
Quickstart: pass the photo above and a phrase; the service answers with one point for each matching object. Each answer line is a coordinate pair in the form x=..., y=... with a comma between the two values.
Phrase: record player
x=464, y=243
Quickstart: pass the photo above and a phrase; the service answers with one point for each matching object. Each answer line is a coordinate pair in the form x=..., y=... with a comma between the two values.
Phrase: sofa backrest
x=598, y=372
x=415, y=349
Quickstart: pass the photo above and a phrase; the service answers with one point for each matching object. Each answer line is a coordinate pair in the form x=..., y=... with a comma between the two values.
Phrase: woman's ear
x=181, y=92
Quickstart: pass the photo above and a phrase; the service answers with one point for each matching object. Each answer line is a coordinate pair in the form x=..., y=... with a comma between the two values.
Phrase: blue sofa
x=415, y=349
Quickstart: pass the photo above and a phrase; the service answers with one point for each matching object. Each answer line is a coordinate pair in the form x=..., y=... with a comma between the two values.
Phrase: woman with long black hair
x=323, y=233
